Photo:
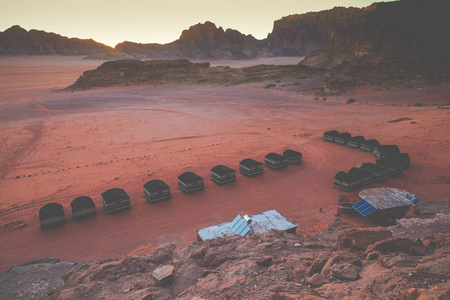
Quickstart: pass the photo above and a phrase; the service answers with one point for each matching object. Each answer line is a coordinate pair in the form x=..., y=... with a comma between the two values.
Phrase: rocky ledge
x=356, y=263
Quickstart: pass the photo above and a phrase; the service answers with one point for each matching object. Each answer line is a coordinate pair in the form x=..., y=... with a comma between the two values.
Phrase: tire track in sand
x=11, y=156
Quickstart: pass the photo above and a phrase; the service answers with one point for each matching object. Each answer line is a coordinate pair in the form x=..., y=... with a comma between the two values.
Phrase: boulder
x=317, y=265
x=187, y=275
x=344, y=270
x=332, y=261
x=391, y=245
x=316, y=280
x=401, y=260
x=361, y=238
x=164, y=275
x=264, y=261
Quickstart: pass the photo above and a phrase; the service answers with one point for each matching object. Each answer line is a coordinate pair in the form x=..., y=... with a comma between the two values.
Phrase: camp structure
x=293, y=157
x=83, y=208
x=221, y=174
x=394, y=167
x=368, y=145
x=250, y=167
x=355, y=178
x=275, y=161
x=52, y=215
x=364, y=177
x=341, y=139
x=383, y=205
x=378, y=172
x=190, y=182
x=402, y=158
x=115, y=200
x=383, y=150
x=345, y=182
x=355, y=142
x=329, y=136
x=244, y=224
x=156, y=190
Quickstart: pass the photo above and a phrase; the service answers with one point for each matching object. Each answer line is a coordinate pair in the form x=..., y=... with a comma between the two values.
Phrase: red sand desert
x=58, y=146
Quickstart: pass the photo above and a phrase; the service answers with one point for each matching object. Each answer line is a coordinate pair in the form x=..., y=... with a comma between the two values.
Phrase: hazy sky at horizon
x=148, y=21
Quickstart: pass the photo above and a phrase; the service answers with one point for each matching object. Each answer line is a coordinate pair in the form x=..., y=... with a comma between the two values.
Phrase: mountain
x=18, y=41
x=201, y=41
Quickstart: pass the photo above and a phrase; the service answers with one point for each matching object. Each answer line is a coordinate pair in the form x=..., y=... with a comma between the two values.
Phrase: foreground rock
x=269, y=265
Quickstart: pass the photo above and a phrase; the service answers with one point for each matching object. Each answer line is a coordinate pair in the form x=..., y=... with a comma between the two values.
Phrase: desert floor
x=56, y=146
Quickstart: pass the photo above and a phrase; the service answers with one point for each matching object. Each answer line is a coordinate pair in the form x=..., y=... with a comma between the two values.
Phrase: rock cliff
x=18, y=41
x=403, y=41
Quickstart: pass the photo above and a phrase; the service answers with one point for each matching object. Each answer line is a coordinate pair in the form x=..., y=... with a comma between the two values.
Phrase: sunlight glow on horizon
x=115, y=21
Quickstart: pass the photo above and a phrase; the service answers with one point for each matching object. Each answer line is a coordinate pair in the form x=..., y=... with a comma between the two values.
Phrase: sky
x=153, y=21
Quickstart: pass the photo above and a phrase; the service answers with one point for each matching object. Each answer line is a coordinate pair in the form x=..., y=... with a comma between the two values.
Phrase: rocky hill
x=18, y=41
x=407, y=261
x=182, y=71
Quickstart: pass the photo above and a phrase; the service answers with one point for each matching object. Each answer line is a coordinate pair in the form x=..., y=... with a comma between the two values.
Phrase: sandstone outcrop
x=181, y=71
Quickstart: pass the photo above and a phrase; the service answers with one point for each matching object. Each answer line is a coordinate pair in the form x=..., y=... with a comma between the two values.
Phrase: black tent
x=83, y=208
x=221, y=174
x=342, y=138
x=383, y=150
x=378, y=172
x=368, y=145
x=156, y=190
x=355, y=142
x=364, y=177
x=345, y=182
x=115, y=200
x=329, y=136
x=275, y=161
x=52, y=215
x=402, y=158
x=250, y=167
x=190, y=182
x=394, y=167
x=294, y=157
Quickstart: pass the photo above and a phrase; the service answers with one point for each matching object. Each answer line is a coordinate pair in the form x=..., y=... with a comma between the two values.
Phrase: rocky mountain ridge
x=398, y=262
x=18, y=41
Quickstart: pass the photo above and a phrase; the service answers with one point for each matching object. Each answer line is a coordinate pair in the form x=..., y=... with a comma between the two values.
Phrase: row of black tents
x=116, y=199
x=390, y=162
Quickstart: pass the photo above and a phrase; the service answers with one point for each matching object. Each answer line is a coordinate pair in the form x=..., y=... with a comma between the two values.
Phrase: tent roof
x=385, y=197
x=248, y=162
x=331, y=132
x=358, y=138
x=82, y=203
x=115, y=194
x=371, y=143
x=155, y=185
x=275, y=156
x=189, y=177
x=292, y=154
x=51, y=210
x=222, y=170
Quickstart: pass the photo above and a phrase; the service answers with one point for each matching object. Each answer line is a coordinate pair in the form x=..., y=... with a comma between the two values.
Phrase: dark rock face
x=302, y=34
x=396, y=43
x=18, y=41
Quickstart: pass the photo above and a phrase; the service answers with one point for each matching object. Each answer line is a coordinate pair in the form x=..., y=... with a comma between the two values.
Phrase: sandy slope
x=57, y=146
